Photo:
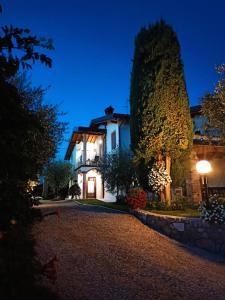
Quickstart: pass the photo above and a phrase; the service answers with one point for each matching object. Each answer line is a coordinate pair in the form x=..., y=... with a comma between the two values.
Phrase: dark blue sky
x=94, y=44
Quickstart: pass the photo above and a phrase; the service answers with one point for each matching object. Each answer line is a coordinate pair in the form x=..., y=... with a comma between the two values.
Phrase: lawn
x=113, y=205
x=193, y=213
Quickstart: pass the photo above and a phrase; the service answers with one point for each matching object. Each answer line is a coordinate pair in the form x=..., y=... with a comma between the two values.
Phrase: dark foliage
x=19, y=270
x=20, y=48
x=75, y=190
x=57, y=175
x=213, y=107
x=30, y=130
x=118, y=171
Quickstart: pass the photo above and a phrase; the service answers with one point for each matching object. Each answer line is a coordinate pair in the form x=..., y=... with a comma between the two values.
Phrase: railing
x=89, y=162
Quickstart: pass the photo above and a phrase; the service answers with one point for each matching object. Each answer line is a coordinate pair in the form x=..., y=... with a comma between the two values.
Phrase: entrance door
x=91, y=187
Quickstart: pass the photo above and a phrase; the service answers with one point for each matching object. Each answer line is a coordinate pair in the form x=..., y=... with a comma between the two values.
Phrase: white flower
x=213, y=211
x=158, y=177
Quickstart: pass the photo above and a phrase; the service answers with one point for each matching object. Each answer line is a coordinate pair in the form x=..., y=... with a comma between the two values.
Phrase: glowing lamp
x=203, y=167
x=100, y=142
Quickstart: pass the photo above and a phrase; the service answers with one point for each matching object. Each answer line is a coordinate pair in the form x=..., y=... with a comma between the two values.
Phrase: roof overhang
x=78, y=135
x=110, y=117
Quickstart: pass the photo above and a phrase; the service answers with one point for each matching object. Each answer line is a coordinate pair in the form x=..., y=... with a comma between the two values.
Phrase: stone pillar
x=84, y=148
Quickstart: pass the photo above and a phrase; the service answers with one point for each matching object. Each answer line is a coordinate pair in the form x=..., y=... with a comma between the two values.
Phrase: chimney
x=109, y=110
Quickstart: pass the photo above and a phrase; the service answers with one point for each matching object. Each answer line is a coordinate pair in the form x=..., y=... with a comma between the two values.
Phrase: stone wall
x=192, y=231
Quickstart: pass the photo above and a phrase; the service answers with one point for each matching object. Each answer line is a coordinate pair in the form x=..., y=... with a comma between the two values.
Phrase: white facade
x=89, y=144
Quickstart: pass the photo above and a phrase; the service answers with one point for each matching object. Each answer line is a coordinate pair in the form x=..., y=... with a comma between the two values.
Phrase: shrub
x=213, y=211
x=75, y=190
x=157, y=205
x=136, y=198
x=180, y=203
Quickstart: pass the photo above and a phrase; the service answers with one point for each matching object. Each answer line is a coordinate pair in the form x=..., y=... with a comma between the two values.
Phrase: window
x=113, y=140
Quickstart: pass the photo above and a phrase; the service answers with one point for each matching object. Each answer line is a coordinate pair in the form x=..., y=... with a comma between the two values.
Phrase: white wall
x=110, y=128
x=125, y=136
x=108, y=197
x=80, y=183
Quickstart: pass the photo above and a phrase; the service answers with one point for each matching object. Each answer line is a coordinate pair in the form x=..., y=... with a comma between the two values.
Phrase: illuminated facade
x=89, y=144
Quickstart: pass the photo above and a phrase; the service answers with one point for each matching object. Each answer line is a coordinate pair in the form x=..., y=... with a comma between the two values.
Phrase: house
x=88, y=145
x=111, y=131
x=202, y=150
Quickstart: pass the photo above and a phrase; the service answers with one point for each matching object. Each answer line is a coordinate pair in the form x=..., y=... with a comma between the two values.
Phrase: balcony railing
x=89, y=162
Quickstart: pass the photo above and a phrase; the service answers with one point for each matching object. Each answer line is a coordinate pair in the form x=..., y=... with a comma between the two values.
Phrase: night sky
x=94, y=44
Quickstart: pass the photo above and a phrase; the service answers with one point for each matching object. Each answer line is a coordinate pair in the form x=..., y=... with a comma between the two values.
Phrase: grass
x=193, y=213
x=112, y=205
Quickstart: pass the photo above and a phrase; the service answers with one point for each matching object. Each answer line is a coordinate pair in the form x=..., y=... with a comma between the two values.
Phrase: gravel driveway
x=104, y=254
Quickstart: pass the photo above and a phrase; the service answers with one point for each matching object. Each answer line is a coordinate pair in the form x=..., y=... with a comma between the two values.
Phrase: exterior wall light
x=203, y=167
x=100, y=141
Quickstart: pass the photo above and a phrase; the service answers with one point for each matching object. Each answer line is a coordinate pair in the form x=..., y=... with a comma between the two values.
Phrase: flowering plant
x=136, y=198
x=213, y=211
x=158, y=177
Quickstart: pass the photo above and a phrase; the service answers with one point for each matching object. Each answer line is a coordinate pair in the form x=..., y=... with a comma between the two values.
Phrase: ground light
x=203, y=167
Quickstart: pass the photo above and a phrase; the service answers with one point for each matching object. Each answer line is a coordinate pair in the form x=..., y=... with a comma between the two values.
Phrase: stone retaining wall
x=192, y=231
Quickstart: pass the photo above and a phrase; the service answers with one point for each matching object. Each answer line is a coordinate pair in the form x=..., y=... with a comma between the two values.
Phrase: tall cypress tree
x=161, y=125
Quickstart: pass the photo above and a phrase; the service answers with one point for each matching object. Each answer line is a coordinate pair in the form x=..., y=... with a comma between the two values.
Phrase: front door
x=91, y=187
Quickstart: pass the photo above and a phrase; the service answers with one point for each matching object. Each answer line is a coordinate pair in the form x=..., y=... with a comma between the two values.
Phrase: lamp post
x=203, y=167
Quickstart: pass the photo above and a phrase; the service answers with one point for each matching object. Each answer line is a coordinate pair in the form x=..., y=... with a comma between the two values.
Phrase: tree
x=161, y=125
x=19, y=48
x=213, y=107
x=48, y=132
x=58, y=175
x=118, y=171
x=26, y=128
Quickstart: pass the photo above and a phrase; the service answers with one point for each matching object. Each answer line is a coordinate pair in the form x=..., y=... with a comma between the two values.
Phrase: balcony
x=89, y=162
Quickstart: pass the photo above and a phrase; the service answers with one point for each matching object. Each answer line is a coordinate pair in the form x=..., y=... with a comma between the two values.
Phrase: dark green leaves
x=18, y=47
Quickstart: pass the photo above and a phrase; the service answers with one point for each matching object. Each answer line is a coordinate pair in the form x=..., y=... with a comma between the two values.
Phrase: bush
x=181, y=203
x=75, y=190
x=157, y=205
x=178, y=203
x=213, y=211
x=136, y=198
x=63, y=192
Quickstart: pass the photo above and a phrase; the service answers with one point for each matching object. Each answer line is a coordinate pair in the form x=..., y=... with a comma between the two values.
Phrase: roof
x=109, y=117
x=195, y=110
x=77, y=137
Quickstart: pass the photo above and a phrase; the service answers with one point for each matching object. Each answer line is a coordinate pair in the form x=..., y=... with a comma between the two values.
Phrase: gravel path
x=108, y=255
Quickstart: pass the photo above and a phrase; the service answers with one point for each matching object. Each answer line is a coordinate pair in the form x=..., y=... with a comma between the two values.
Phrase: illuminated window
x=113, y=140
